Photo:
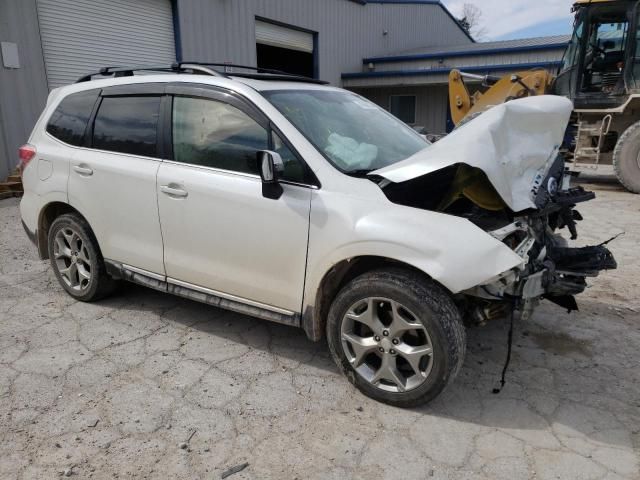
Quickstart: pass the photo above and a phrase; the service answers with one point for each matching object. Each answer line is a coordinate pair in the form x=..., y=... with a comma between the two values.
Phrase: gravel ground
x=145, y=385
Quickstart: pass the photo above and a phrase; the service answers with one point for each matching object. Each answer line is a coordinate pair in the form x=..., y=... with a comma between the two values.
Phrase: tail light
x=25, y=154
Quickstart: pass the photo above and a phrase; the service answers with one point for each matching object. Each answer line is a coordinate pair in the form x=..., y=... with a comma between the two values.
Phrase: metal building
x=413, y=83
x=49, y=43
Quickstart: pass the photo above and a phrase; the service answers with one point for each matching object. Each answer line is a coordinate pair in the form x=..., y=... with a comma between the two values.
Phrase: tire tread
x=105, y=284
x=425, y=291
x=629, y=133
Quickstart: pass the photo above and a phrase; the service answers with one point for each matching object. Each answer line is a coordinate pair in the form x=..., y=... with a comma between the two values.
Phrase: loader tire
x=626, y=158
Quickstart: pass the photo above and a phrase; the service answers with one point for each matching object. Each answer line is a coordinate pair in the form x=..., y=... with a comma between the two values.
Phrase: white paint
x=227, y=237
x=513, y=143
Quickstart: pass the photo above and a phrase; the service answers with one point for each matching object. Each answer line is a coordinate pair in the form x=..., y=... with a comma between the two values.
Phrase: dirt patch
x=561, y=344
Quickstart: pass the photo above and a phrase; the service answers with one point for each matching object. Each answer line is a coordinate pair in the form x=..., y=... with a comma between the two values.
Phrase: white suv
x=304, y=204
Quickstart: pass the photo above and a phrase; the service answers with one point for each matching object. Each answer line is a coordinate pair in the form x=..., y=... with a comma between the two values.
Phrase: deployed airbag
x=514, y=143
x=349, y=153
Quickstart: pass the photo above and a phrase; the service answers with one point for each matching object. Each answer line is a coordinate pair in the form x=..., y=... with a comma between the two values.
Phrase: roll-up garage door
x=81, y=36
x=283, y=37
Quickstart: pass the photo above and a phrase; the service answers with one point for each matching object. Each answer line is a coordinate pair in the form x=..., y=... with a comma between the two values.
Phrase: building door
x=81, y=37
x=285, y=48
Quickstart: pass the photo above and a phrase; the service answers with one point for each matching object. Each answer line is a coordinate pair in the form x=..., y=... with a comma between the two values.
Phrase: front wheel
x=397, y=336
x=626, y=158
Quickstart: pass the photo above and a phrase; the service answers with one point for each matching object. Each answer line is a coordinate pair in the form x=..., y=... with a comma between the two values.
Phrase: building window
x=403, y=107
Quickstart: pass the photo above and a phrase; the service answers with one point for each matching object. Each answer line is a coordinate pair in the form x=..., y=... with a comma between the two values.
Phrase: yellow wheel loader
x=600, y=73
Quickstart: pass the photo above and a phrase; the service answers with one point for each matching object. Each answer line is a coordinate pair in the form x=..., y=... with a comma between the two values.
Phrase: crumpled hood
x=514, y=144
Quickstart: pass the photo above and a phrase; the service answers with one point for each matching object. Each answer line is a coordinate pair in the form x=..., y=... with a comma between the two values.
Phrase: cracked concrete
x=112, y=389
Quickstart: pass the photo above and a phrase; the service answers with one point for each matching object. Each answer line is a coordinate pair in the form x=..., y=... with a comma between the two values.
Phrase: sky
x=509, y=19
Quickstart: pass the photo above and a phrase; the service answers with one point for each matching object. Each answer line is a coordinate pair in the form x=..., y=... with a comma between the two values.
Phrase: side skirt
x=228, y=302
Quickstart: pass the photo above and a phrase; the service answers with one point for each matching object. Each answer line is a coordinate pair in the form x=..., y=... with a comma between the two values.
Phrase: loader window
x=572, y=54
x=604, y=58
x=635, y=71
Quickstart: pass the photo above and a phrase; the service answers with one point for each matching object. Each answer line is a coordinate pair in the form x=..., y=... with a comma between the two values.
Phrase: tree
x=471, y=21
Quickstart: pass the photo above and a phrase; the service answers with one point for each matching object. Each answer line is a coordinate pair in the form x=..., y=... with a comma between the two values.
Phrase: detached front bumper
x=565, y=272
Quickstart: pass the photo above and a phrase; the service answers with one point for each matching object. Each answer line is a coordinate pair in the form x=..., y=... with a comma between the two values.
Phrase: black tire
x=432, y=306
x=100, y=284
x=626, y=162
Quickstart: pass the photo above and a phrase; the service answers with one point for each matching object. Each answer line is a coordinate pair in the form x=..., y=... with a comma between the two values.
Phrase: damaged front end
x=503, y=172
x=551, y=269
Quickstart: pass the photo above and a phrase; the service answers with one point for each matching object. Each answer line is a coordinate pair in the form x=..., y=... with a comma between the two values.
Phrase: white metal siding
x=80, y=36
x=278, y=36
x=224, y=30
x=432, y=103
x=503, y=58
x=23, y=91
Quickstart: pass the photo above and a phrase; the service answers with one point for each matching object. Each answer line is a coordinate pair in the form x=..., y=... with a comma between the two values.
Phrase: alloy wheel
x=72, y=259
x=386, y=344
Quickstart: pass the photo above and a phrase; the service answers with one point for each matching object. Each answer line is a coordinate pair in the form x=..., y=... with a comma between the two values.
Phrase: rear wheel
x=626, y=158
x=397, y=336
x=76, y=259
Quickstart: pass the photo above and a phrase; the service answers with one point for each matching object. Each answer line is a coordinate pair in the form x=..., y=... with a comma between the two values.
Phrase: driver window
x=293, y=169
x=215, y=134
x=636, y=59
x=573, y=50
x=604, y=59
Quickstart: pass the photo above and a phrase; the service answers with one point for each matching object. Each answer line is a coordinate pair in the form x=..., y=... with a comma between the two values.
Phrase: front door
x=219, y=232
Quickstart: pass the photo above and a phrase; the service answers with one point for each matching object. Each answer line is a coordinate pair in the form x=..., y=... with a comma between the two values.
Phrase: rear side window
x=69, y=121
x=127, y=125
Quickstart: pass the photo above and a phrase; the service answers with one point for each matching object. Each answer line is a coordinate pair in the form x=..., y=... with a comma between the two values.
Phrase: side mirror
x=271, y=167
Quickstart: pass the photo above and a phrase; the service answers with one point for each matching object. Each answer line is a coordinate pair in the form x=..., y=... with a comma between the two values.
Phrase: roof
x=587, y=2
x=420, y=2
x=232, y=82
x=481, y=69
x=479, y=48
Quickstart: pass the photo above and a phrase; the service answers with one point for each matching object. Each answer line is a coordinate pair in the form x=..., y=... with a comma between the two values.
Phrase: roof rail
x=202, y=68
x=261, y=73
x=182, y=67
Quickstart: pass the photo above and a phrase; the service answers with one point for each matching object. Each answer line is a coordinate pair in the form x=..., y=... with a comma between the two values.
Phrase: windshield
x=354, y=134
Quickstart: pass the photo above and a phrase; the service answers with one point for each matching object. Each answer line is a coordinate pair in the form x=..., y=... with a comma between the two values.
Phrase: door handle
x=83, y=170
x=173, y=191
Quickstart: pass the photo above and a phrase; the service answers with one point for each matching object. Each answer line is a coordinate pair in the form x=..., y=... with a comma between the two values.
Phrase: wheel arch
x=314, y=316
x=47, y=215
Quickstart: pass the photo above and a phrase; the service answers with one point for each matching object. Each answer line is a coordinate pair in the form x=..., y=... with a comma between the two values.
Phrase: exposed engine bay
x=479, y=173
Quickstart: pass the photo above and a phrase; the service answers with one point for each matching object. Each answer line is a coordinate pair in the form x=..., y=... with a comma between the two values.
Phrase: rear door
x=219, y=232
x=112, y=181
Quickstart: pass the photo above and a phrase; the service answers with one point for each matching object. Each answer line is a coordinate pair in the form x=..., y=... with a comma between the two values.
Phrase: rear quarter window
x=68, y=122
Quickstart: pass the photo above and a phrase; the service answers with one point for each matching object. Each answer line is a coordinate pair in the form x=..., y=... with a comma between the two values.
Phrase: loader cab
x=601, y=65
